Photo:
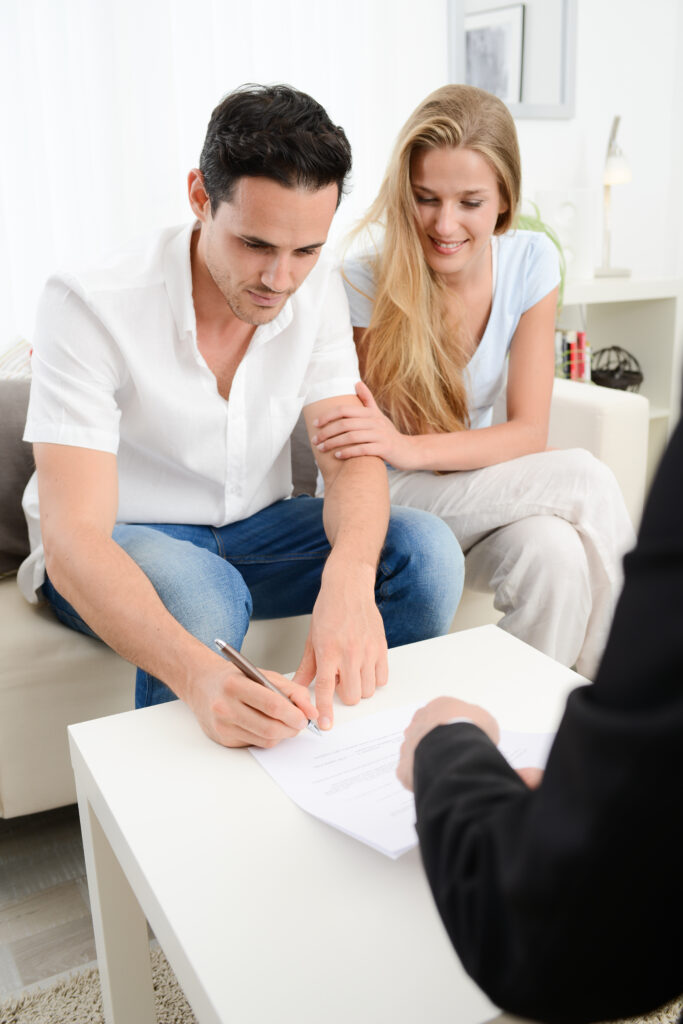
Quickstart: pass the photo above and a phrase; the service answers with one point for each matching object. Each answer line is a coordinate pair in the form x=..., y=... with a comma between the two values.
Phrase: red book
x=572, y=359
x=580, y=355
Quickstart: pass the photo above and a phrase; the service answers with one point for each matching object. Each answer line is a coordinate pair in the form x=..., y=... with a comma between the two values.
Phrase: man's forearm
x=347, y=648
x=122, y=607
x=356, y=511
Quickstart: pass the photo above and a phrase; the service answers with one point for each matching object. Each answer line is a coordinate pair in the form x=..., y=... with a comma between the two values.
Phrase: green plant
x=533, y=222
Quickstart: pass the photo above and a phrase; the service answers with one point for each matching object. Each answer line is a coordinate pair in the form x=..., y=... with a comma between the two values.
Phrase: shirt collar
x=178, y=278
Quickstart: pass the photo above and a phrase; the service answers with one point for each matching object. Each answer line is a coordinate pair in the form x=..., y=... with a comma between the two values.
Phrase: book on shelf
x=572, y=355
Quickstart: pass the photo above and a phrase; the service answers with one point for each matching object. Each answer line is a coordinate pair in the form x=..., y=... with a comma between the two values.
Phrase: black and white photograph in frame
x=494, y=45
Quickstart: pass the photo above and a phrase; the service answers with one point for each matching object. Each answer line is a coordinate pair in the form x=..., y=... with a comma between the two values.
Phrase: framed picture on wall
x=494, y=51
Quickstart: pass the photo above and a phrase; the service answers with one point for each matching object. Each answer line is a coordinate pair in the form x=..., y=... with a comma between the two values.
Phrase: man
x=564, y=901
x=166, y=382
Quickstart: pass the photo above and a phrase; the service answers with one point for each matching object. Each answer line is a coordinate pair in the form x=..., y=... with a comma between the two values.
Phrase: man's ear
x=199, y=200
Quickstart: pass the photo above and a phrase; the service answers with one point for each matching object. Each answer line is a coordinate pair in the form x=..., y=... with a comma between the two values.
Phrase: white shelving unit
x=645, y=317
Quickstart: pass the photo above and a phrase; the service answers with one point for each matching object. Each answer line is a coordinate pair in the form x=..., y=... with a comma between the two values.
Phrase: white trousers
x=546, y=533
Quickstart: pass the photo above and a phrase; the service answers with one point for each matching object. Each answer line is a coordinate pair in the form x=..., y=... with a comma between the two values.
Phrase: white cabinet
x=645, y=317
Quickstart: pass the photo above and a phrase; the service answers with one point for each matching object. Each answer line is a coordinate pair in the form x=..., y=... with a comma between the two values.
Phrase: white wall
x=628, y=63
x=105, y=104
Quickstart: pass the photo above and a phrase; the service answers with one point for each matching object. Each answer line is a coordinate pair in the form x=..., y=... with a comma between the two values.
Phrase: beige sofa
x=51, y=677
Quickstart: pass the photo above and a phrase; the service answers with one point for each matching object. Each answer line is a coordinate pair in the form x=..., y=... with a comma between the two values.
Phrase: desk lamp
x=617, y=172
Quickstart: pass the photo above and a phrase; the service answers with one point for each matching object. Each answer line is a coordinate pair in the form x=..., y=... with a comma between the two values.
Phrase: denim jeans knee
x=421, y=577
x=203, y=592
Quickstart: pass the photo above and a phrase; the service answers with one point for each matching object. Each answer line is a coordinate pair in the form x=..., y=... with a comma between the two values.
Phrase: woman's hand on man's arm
x=352, y=430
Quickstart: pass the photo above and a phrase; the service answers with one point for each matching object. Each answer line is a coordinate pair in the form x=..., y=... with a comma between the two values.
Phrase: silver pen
x=252, y=672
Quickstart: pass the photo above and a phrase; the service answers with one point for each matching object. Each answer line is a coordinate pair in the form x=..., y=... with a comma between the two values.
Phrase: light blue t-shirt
x=525, y=270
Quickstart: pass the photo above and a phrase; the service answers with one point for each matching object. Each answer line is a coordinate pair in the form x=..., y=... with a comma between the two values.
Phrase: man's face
x=260, y=246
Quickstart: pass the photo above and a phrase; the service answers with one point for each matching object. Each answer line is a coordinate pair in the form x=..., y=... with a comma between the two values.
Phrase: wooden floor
x=45, y=924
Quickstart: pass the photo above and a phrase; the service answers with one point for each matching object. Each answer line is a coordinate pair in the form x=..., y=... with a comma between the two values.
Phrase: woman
x=437, y=308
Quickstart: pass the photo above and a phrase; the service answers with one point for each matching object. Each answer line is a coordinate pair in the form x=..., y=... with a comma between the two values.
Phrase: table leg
x=120, y=930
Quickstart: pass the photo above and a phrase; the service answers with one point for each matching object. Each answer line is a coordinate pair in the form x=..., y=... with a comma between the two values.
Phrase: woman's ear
x=503, y=220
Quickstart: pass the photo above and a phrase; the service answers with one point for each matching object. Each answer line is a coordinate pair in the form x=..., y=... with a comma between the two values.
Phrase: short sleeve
x=333, y=366
x=359, y=282
x=542, y=270
x=76, y=372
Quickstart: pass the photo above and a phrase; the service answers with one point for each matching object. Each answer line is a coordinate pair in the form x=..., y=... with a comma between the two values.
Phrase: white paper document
x=347, y=777
x=526, y=749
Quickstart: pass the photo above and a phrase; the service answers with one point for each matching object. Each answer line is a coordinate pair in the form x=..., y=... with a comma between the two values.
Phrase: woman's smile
x=447, y=248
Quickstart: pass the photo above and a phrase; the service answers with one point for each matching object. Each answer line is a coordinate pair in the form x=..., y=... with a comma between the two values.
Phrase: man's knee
x=202, y=591
x=422, y=566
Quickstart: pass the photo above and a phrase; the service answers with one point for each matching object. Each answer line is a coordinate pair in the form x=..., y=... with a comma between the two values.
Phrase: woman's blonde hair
x=409, y=356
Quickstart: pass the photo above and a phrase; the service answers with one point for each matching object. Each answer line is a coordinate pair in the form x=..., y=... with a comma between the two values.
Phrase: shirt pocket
x=284, y=412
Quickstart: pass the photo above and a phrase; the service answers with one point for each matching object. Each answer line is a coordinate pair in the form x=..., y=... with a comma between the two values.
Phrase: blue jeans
x=214, y=579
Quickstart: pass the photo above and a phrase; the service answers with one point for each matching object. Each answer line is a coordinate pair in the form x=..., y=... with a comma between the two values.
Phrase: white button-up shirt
x=116, y=368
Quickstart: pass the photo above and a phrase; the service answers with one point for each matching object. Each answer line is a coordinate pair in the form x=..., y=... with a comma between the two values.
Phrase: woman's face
x=458, y=202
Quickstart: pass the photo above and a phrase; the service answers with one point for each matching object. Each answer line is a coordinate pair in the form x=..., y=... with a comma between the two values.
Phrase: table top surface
x=262, y=909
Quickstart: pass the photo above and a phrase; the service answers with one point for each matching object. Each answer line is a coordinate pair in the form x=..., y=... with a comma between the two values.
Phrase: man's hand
x=346, y=646
x=353, y=430
x=439, y=712
x=237, y=712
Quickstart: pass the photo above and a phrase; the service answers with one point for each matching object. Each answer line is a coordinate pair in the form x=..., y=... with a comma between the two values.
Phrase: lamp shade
x=617, y=171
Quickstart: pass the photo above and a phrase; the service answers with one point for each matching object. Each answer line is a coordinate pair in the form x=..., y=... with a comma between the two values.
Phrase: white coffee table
x=265, y=913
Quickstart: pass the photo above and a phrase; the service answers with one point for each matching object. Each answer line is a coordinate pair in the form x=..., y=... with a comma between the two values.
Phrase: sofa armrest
x=611, y=424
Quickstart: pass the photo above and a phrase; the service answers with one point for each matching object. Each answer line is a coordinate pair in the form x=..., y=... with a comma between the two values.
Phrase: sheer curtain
x=105, y=104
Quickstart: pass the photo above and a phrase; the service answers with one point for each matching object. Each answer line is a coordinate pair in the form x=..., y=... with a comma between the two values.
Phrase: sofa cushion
x=304, y=466
x=16, y=466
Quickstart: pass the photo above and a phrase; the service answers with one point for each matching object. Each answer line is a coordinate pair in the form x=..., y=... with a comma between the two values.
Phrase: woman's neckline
x=495, y=243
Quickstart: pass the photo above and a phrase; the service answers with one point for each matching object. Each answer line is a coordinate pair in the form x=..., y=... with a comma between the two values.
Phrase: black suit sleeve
x=564, y=903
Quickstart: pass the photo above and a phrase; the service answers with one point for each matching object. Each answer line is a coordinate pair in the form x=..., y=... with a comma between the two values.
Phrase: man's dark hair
x=272, y=131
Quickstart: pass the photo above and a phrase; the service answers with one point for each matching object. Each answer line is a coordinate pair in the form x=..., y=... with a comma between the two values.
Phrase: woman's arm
x=365, y=430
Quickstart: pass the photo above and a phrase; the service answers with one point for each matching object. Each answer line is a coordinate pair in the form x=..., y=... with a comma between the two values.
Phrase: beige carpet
x=76, y=999
x=668, y=1014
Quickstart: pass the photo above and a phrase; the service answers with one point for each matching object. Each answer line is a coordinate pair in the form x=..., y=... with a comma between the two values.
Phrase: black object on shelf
x=614, y=367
